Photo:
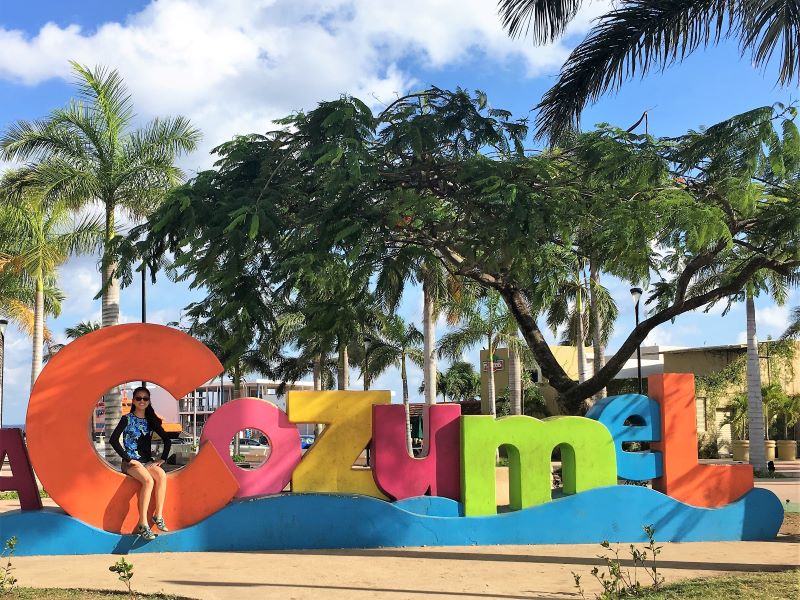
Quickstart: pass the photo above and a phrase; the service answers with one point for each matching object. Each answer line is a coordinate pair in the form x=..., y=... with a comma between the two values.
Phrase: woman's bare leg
x=140, y=474
x=160, y=481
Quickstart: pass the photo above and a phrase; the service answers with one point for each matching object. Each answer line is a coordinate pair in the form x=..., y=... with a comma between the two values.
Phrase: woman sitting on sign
x=136, y=430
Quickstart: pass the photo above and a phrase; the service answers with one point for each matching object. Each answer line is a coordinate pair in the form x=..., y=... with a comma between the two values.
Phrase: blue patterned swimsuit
x=137, y=435
x=136, y=428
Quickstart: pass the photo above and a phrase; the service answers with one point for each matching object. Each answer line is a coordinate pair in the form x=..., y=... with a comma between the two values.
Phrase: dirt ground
x=791, y=524
x=486, y=572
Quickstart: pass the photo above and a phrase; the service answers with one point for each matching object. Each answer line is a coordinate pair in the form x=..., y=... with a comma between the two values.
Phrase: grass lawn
x=62, y=594
x=764, y=586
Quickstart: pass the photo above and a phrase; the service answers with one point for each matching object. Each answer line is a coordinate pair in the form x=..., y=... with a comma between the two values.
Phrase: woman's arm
x=167, y=442
x=115, y=436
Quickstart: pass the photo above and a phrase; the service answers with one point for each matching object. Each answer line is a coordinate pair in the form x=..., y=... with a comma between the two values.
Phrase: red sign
x=498, y=364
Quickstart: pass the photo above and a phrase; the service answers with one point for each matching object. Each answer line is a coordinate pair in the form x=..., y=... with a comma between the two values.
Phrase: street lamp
x=636, y=294
x=3, y=325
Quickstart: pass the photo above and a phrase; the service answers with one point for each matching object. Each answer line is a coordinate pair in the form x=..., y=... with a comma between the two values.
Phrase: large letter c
x=59, y=413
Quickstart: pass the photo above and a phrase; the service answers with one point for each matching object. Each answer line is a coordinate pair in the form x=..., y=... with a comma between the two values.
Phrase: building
x=700, y=361
x=194, y=409
x=186, y=417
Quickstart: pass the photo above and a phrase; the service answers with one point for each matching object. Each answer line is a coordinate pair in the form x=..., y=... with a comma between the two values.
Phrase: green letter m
x=588, y=459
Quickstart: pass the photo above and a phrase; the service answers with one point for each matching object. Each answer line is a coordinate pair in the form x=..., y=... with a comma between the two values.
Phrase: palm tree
x=461, y=382
x=776, y=287
x=48, y=239
x=72, y=333
x=396, y=342
x=89, y=152
x=439, y=288
x=488, y=322
x=637, y=35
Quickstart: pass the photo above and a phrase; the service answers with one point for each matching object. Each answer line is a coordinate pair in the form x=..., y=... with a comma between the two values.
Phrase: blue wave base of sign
x=320, y=521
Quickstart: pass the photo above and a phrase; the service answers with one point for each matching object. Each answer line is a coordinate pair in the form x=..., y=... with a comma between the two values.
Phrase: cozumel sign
x=445, y=498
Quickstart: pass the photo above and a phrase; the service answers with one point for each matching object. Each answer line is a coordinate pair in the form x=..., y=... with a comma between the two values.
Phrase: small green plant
x=707, y=445
x=768, y=475
x=15, y=495
x=124, y=571
x=238, y=458
x=7, y=579
x=618, y=582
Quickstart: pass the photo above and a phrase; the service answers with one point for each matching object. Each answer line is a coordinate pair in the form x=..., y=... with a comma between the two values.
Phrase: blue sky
x=231, y=66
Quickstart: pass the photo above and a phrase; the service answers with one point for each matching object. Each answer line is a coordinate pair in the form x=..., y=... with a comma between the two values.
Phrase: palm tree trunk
x=429, y=344
x=342, y=374
x=237, y=392
x=112, y=398
x=404, y=377
x=594, y=315
x=317, y=387
x=755, y=403
x=514, y=380
x=579, y=337
x=317, y=372
x=38, y=330
x=490, y=380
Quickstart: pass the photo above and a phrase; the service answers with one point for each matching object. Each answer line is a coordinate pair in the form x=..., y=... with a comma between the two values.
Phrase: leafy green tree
x=639, y=35
x=89, y=152
x=765, y=161
x=338, y=190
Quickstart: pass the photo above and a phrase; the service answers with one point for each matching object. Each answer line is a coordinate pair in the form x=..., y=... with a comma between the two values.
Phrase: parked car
x=250, y=442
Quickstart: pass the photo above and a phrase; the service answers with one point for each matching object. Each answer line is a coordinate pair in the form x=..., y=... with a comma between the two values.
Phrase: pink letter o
x=284, y=440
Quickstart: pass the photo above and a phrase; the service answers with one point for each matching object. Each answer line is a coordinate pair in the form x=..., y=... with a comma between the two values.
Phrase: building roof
x=722, y=348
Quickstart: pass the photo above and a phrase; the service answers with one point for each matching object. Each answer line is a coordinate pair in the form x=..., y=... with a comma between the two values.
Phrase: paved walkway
x=516, y=572
x=513, y=572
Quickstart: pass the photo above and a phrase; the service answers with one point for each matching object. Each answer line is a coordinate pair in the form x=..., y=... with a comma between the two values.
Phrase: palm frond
x=631, y=39
x=770, y=25
x=545, y=20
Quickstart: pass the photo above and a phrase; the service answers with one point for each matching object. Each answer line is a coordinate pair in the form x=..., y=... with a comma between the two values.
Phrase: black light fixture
x=3, y=325
x=636, y=294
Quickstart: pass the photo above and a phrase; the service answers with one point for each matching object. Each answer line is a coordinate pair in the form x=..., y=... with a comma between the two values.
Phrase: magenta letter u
x=401, y=476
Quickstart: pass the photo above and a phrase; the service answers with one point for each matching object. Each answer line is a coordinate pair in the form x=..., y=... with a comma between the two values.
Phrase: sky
x=232, y=66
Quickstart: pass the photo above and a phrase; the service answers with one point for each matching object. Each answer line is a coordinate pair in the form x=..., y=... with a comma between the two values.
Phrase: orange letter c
x=58, y=420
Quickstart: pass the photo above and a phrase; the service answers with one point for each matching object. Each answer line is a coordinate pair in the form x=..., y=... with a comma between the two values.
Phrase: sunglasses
x=142, y=398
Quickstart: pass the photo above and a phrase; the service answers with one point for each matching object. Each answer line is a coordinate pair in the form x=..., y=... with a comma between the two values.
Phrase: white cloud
x=234, y=66
x=771, y=320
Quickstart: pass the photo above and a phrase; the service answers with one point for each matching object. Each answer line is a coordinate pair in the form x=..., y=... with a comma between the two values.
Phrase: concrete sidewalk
x=516, y=572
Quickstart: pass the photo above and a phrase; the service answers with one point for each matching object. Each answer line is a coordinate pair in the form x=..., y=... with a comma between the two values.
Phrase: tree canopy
x=322, y=202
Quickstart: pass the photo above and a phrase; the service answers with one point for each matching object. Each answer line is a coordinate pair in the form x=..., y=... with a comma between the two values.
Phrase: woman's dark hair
x=153, y=419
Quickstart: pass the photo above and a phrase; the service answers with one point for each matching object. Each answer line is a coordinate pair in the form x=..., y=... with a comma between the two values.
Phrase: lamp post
x=3, y=325
x=636, y=293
